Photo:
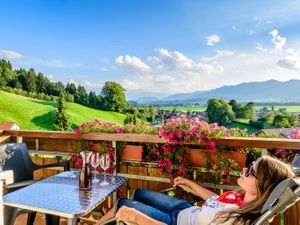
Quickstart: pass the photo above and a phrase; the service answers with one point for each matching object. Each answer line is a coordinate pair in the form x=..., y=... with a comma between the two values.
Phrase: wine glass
x=95, y=162
x=104, y=163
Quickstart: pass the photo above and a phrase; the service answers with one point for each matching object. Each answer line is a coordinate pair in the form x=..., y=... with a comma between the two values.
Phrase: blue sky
x=153, y=47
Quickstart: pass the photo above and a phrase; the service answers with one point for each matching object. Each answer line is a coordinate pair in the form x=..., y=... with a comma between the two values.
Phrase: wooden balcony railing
x=140, y=175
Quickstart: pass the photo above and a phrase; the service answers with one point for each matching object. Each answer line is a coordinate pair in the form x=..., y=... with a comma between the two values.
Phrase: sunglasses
x=250, y=171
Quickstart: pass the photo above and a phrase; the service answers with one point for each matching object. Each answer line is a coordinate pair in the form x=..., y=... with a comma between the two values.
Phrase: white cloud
x=173, y=72
x=132, y=64
x=251, y=32
x=291, y=61
x=219, y=54
x=92, y=85
x=277, y=40
x=131, y=85
x=104, y=69
x=71, y=81
x=52, y=63
x=260, y=47
x=56, y=63
x=212, y=39
x=10, y=54
x=50, y=77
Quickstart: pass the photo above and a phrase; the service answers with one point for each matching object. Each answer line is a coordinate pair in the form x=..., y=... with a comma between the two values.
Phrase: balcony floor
x=39, y=220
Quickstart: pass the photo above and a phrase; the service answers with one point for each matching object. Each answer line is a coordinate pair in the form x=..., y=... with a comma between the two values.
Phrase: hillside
x=33, y=114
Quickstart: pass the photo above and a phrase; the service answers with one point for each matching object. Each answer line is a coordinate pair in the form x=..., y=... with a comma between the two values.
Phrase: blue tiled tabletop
x=60, y=195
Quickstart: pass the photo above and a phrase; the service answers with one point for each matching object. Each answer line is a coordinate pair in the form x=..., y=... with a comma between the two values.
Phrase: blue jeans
x=156, y=205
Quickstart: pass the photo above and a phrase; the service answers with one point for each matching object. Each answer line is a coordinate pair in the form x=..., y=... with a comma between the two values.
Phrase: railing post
x=264, y=152
x=114, y=145
x=37, y=144
x=1, y=203
x=19, y=139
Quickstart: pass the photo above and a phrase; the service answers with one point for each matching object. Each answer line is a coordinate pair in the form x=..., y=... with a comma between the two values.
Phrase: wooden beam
x=248, y=142
x=3, y=139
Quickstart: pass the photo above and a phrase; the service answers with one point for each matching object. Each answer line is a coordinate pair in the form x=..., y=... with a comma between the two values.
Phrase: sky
x=153, y=47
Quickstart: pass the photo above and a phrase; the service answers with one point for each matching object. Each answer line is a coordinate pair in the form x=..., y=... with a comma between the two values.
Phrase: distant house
x=277, y=132
x=9, y=126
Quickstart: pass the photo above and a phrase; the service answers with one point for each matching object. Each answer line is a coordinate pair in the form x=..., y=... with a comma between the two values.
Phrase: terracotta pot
x=239, y=157
x=198, y=157
x=132, y=153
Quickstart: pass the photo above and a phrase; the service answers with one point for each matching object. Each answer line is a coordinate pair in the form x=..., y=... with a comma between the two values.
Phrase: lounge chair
x=285, y=195
x=15, y=157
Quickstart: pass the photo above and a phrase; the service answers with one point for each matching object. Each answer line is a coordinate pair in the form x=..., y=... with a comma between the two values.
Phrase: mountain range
x=265, y=91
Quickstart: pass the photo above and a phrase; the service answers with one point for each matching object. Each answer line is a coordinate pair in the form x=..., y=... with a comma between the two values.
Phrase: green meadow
x=33, y=114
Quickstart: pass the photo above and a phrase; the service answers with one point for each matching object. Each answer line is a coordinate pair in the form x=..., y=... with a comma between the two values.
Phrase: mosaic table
x=60, y=195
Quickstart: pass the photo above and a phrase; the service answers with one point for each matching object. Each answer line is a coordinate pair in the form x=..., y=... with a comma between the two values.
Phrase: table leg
x=52, y=220
x=72, y=221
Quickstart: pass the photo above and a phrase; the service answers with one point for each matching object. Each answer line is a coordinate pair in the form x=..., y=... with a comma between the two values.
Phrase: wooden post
x=19, y=139
x=8, y=178
x=37, y=144
x=264, y=152
x=114, y=195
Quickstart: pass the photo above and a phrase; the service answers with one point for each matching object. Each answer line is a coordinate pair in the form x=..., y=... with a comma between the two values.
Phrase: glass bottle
x=85, y=181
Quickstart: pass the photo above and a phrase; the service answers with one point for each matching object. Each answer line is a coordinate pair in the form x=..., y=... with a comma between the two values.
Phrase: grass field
x=251, y=130
x=289, y=108
x=33, y=114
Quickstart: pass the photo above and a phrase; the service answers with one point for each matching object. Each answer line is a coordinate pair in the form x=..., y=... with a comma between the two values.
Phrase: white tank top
x=203, y=215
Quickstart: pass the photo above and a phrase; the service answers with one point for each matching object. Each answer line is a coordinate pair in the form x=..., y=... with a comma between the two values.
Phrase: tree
x=281, y=120
x=42, y=83
x=249, y=111
x=189, y=112
x=152, y=113
x=114, y=97
x=219, y=111
x=71, y=88
x=30, y=84
x=81, y=96
x=237, y=108
x=62, y=122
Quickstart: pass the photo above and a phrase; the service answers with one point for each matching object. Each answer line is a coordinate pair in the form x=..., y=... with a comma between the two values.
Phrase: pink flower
x=214, y=166
x=212, y=144
x=295, y=134
x=170, y=136
x=181, y=143
x=213, y=152
x=179, y=134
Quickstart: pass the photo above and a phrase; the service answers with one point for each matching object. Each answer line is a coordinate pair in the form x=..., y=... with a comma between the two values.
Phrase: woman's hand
x=181, y=181
x=126, y=214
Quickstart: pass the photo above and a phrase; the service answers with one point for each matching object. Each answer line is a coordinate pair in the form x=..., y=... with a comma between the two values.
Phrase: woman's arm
x=193, y=188
x=127, y=214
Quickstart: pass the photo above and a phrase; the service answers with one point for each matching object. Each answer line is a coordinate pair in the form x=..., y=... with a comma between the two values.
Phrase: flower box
x=198, y=157
x=239, y=157
x=131, y=153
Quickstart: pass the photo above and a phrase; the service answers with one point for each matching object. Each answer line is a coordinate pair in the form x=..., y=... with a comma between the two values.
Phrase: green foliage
x=281, y=120
x=114, y=97
x=218, y=110
x=62, y=120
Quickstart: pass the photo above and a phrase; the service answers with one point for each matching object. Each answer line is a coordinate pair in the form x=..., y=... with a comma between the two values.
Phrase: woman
x=242, y=207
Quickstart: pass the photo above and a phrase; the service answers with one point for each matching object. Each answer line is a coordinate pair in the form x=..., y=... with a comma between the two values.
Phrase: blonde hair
x=269, y=172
